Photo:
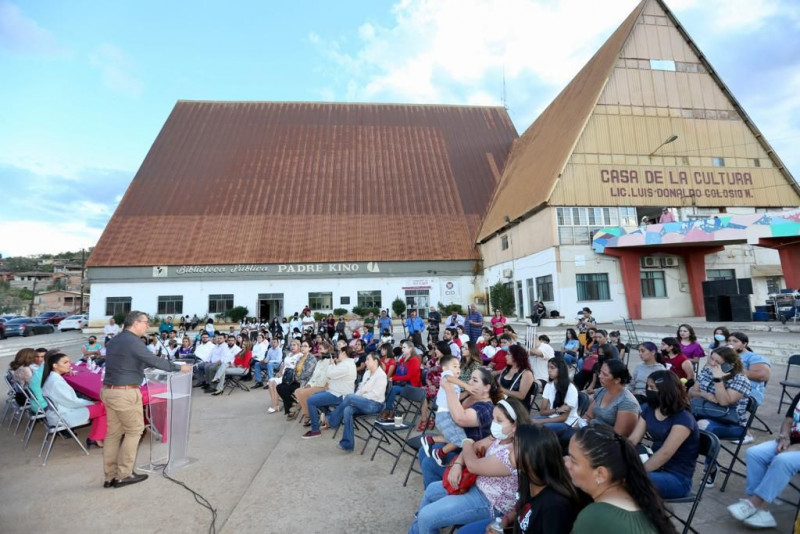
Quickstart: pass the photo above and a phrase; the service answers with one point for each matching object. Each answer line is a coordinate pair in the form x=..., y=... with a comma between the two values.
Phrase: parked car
x=2, y=329
x=27, y=327
x=52, y=317
x=73, y=322
x=4, y=319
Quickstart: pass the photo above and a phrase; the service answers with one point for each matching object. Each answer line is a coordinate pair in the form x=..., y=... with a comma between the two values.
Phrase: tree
x=237, y=314
x=398, y=307
x=502, y=298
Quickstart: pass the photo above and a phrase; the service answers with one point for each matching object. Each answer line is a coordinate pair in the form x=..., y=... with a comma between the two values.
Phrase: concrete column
x=695, y=260
x=789, y=252
x=630, y=260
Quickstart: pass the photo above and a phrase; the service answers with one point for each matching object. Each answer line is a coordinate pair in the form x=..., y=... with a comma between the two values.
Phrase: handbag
x=705, y=409
x=467, y=480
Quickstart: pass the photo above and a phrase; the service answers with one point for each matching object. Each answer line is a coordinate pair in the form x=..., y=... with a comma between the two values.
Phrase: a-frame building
x=646, y=124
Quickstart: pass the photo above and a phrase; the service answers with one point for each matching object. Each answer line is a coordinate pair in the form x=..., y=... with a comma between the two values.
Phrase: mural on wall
x=721, y=229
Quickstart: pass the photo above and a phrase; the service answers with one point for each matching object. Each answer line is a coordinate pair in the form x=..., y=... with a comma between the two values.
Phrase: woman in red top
x=407, y=373
x=675, y=360
x=387, y=360
x=498, y=322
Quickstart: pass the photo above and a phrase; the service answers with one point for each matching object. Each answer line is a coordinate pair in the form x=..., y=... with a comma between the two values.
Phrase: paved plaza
x=260, y=476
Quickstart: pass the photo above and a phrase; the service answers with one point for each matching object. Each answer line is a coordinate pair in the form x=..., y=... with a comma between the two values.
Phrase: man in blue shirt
x=474, y=323
x=415, y=327
x=385, y=322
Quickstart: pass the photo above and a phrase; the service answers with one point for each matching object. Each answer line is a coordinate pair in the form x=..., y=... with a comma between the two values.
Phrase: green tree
x=398, y=307
x=503, y=298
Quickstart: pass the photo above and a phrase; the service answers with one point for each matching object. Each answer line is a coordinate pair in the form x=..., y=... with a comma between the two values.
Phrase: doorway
x=269, y=306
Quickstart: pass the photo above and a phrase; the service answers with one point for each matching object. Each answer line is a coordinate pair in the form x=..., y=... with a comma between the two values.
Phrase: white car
x=73, y=322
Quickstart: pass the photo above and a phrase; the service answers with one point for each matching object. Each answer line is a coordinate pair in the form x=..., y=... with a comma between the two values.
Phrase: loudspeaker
x=745, y=286
x=728, y=287
x=717, y=309
x=708, y=289
x=740, y=308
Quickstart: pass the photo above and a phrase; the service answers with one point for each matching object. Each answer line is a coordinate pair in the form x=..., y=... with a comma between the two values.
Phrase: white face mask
x=497, y=431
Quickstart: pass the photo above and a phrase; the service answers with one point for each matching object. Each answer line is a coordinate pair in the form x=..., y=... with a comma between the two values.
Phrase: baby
x=452, y=434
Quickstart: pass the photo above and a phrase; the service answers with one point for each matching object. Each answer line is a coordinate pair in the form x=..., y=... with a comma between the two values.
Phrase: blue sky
x=87, y=85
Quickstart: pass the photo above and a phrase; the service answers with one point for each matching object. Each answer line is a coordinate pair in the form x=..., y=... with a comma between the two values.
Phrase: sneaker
x=761, y=519
x=439, y=457
x=742, y=509
x=427, y=445
x=342, y=448
x=257, y=385
x=311, y=434
x=748, y=438
x=271, y=410
x=712, y=478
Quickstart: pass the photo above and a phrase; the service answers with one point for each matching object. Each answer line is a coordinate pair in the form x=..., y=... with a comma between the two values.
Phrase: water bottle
x=497, y=525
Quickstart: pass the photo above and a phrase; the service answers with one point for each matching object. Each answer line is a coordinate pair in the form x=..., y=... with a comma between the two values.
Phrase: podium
x=168, y=411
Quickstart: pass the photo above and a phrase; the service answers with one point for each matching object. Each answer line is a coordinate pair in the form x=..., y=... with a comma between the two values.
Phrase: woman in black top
x=516, y=380
x=548, y=502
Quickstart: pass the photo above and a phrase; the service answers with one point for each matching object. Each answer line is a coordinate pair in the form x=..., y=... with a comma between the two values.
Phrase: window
x=219, y=303
x=504, y=242
x=653, y=284
x=662, y=64
x=344, y=301
x=756, y=162
x=718, y=162
x=593, y=286
x=369, y=299
x=720, y=274
x=520, y=301
x=117, y=305
x=576, y=226
x=773, y=284
x=544, y=288
x=170, y=305
x=320, y=301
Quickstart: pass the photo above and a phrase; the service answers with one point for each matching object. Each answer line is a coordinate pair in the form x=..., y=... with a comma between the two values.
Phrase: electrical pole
x=83, y=270
x=30, y=308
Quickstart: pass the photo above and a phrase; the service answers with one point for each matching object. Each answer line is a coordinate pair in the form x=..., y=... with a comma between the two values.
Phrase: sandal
x=421, y=426
x=431, y=424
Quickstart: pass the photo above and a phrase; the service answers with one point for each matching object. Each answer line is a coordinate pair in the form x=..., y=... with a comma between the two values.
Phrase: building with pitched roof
x=647, y=124
x=276, y=205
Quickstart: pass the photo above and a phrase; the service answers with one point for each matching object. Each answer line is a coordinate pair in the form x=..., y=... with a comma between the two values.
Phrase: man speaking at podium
x=126, y=359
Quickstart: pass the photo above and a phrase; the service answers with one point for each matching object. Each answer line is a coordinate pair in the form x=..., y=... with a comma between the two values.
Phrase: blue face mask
x=719, y=337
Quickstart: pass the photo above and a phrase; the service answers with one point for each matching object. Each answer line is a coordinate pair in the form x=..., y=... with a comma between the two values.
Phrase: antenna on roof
x=505, y=102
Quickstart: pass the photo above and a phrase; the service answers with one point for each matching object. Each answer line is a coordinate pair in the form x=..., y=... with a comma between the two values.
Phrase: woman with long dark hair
x=673, y=429
x=689, y=345
x=559, y=409
x=607, y=467
x=651, y=362
x=517, y=378
x=721, y=335
x=570, y=347
x=675, y=360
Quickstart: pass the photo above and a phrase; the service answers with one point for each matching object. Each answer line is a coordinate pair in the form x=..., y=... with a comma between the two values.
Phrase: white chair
x=51, y=430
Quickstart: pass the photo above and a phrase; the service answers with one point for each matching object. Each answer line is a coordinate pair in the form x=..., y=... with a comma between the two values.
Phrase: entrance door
x=418, y=300
x=270, y=305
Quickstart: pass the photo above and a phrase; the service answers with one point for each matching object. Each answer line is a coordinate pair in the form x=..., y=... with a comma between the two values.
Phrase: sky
x=87, y=85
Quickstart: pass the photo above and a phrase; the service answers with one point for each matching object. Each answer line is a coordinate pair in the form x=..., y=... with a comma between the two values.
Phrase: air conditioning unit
x=669, y=261
x=508, y=273
x=650, y=262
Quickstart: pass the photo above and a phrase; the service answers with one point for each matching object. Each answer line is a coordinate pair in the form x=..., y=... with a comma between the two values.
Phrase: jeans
x=670, y=485
x=769, y=473
x=562, y=430
x=476, y=527
x=431, y=471
x=351, y=405
x=397, y=388
x=318, y=400
x=438, y=509
x=723, y=430
x=269, y=367
x=570, y=358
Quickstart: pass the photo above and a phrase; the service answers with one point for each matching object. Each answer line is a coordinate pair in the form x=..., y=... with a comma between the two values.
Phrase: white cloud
x=20, y=34
x=24, y=238
x=733, y=15
x=119, y=72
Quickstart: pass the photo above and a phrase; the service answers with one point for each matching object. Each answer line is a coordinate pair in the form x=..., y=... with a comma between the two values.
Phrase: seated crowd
x=628, y=440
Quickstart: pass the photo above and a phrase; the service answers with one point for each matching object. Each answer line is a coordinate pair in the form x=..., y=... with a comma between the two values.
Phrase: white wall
x=541, y=263
x=195, y=293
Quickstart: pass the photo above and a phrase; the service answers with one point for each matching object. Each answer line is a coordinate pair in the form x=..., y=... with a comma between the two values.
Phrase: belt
x=106, y=386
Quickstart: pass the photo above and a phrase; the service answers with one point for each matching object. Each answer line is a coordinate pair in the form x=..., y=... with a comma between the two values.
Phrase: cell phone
x=726, y=367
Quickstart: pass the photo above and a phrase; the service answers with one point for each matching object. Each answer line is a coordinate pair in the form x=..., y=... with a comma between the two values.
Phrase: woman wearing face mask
x=675, y=360
x=721, y=335
x=493, y=494
x=651, y=362
x=676, y=438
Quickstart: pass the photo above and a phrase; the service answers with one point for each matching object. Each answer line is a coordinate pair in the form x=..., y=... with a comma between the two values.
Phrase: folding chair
x=583, y=402
x=363, y=421
x=709, y=448
x=233, y=379
x=415, y=444
x=51, y=430
x=19, y=409
x=535, y=388
x=764, y=426
x=786, y=383
x=11, y=399
x=33, y=417
x=751, y=409
x=387, y=433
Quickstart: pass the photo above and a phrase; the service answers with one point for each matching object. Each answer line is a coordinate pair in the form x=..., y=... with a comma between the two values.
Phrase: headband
x=509, y=409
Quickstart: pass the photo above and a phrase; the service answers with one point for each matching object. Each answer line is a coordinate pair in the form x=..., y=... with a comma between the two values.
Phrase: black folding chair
x=786, y=397
x=533, y=392
x=751, y=409
x=415, y=444
x=51, y=430
x=709, y=448
x=233, y=379
x=583, y=402
x=388, y=433
x=363, y=422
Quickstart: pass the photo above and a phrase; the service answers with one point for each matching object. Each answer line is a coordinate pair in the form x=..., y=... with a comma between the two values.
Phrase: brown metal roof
x=285, y=182
x=542, y=151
